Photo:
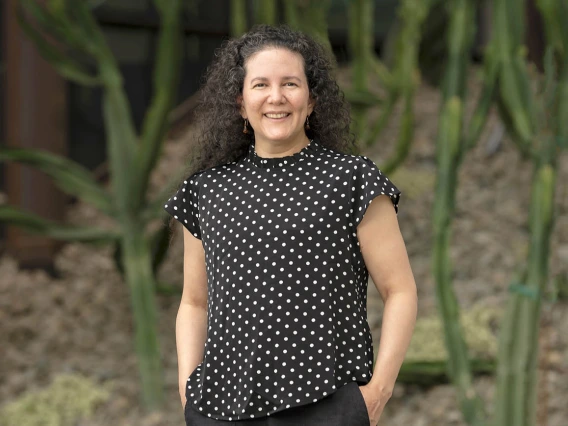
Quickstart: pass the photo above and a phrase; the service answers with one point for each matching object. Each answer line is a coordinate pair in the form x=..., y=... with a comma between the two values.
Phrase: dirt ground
x=80, y=321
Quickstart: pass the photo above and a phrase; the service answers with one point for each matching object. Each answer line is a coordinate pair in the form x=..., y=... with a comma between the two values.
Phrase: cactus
x=238, y=17
x=537, y=123
x=265, y=12
x=450, y=144
x=404, y=78
x=309, y=16
x=507, y=81
x=361, y=46
x=132, y=157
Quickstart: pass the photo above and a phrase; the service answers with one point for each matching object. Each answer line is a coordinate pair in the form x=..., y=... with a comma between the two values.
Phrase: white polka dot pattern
x=368, y=183
x=287, y=283
x=183, y=206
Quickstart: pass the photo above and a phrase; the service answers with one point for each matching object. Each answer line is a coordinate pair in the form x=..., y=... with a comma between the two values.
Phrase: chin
x=278, y=138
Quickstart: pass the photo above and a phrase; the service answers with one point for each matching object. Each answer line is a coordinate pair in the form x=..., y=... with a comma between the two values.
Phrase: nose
x=276, y=95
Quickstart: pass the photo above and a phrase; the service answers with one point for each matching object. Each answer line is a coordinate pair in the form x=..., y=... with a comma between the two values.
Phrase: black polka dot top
x=287, y=284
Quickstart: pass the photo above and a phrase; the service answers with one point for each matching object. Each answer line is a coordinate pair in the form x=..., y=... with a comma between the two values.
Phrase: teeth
x=276, y=115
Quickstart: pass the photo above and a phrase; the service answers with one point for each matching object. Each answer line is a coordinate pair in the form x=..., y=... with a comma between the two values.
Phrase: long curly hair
x=220, y=139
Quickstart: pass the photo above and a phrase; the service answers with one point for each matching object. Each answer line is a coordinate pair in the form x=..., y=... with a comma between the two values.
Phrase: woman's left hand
x=375, y=403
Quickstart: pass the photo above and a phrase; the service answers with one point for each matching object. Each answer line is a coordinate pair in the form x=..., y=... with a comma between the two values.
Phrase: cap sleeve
x=184, y=205
x=370, y=182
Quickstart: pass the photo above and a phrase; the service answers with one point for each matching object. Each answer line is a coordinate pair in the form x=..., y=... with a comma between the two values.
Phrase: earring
x=245, y=130
x=307, y=123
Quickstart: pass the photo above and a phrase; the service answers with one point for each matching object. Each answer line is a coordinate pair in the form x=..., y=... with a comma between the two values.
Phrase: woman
x=280, y=236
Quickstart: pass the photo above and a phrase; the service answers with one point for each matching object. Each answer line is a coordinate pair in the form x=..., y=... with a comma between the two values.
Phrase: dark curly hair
x=220, y=139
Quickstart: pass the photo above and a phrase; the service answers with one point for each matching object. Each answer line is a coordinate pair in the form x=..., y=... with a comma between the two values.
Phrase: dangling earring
x=307, y=123
x=245, y=130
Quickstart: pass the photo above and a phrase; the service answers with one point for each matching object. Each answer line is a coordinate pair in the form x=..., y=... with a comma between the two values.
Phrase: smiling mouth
x=281, y=115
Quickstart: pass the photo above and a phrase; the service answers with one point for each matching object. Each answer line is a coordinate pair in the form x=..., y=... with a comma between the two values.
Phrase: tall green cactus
x=265, y=12
x=132, y=157
x=361, y=45
x=238, y=12
x=540, y=129
x=404, y=79
x=449, y=147
x=309, y=16
x=537, y=123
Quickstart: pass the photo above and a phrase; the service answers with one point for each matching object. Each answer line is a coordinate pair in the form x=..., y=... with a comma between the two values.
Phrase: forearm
x=399, y=318
x=191, y=333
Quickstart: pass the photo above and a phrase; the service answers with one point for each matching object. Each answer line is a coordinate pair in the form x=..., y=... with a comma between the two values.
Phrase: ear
x=311, y=105
x=241, y=106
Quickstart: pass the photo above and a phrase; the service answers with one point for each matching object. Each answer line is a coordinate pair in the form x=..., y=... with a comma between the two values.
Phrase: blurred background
x=462, y=103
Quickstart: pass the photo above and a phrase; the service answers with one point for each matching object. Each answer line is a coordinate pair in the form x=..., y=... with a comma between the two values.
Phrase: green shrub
x=427, y=342
x=67, y=400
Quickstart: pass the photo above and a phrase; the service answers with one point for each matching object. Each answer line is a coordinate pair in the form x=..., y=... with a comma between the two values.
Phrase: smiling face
x=276, y=98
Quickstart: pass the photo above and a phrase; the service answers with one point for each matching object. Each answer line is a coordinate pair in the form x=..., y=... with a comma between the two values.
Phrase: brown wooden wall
x=35, y=117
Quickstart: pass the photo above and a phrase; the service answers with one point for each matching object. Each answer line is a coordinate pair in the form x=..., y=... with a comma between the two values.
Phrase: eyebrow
x=286, y=77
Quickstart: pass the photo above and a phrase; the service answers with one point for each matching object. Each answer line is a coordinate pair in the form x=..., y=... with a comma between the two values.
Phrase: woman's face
x=276, y=98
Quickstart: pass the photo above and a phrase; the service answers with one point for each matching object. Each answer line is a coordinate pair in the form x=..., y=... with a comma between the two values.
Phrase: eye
x=293, y=84
x=258, y=84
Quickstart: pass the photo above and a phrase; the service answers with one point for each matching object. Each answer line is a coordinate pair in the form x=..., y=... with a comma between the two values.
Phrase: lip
x=277, y=119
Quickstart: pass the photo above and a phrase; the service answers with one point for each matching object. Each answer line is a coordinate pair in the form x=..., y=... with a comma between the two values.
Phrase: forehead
x=274, y=62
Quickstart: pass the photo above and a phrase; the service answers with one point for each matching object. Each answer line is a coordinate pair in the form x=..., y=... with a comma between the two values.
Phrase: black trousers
x=345, y=407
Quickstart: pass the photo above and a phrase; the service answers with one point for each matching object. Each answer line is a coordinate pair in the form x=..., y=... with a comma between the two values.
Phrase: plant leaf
x=38, y=225
x=67, y=175
x=64, y=66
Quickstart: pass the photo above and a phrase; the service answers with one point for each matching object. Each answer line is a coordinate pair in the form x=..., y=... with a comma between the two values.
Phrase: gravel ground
x=80, y=321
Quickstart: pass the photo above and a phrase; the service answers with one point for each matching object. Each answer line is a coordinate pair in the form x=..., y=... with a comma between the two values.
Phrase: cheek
x=301, y=101
x=252, y=103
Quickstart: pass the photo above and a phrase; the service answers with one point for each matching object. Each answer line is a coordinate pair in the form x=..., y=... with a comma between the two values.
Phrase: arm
x=191, y=321
x=385, y=255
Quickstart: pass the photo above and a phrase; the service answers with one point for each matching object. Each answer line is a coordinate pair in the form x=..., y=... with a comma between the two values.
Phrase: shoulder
x=359, y=164
x=205, y=177
x=343, y=160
